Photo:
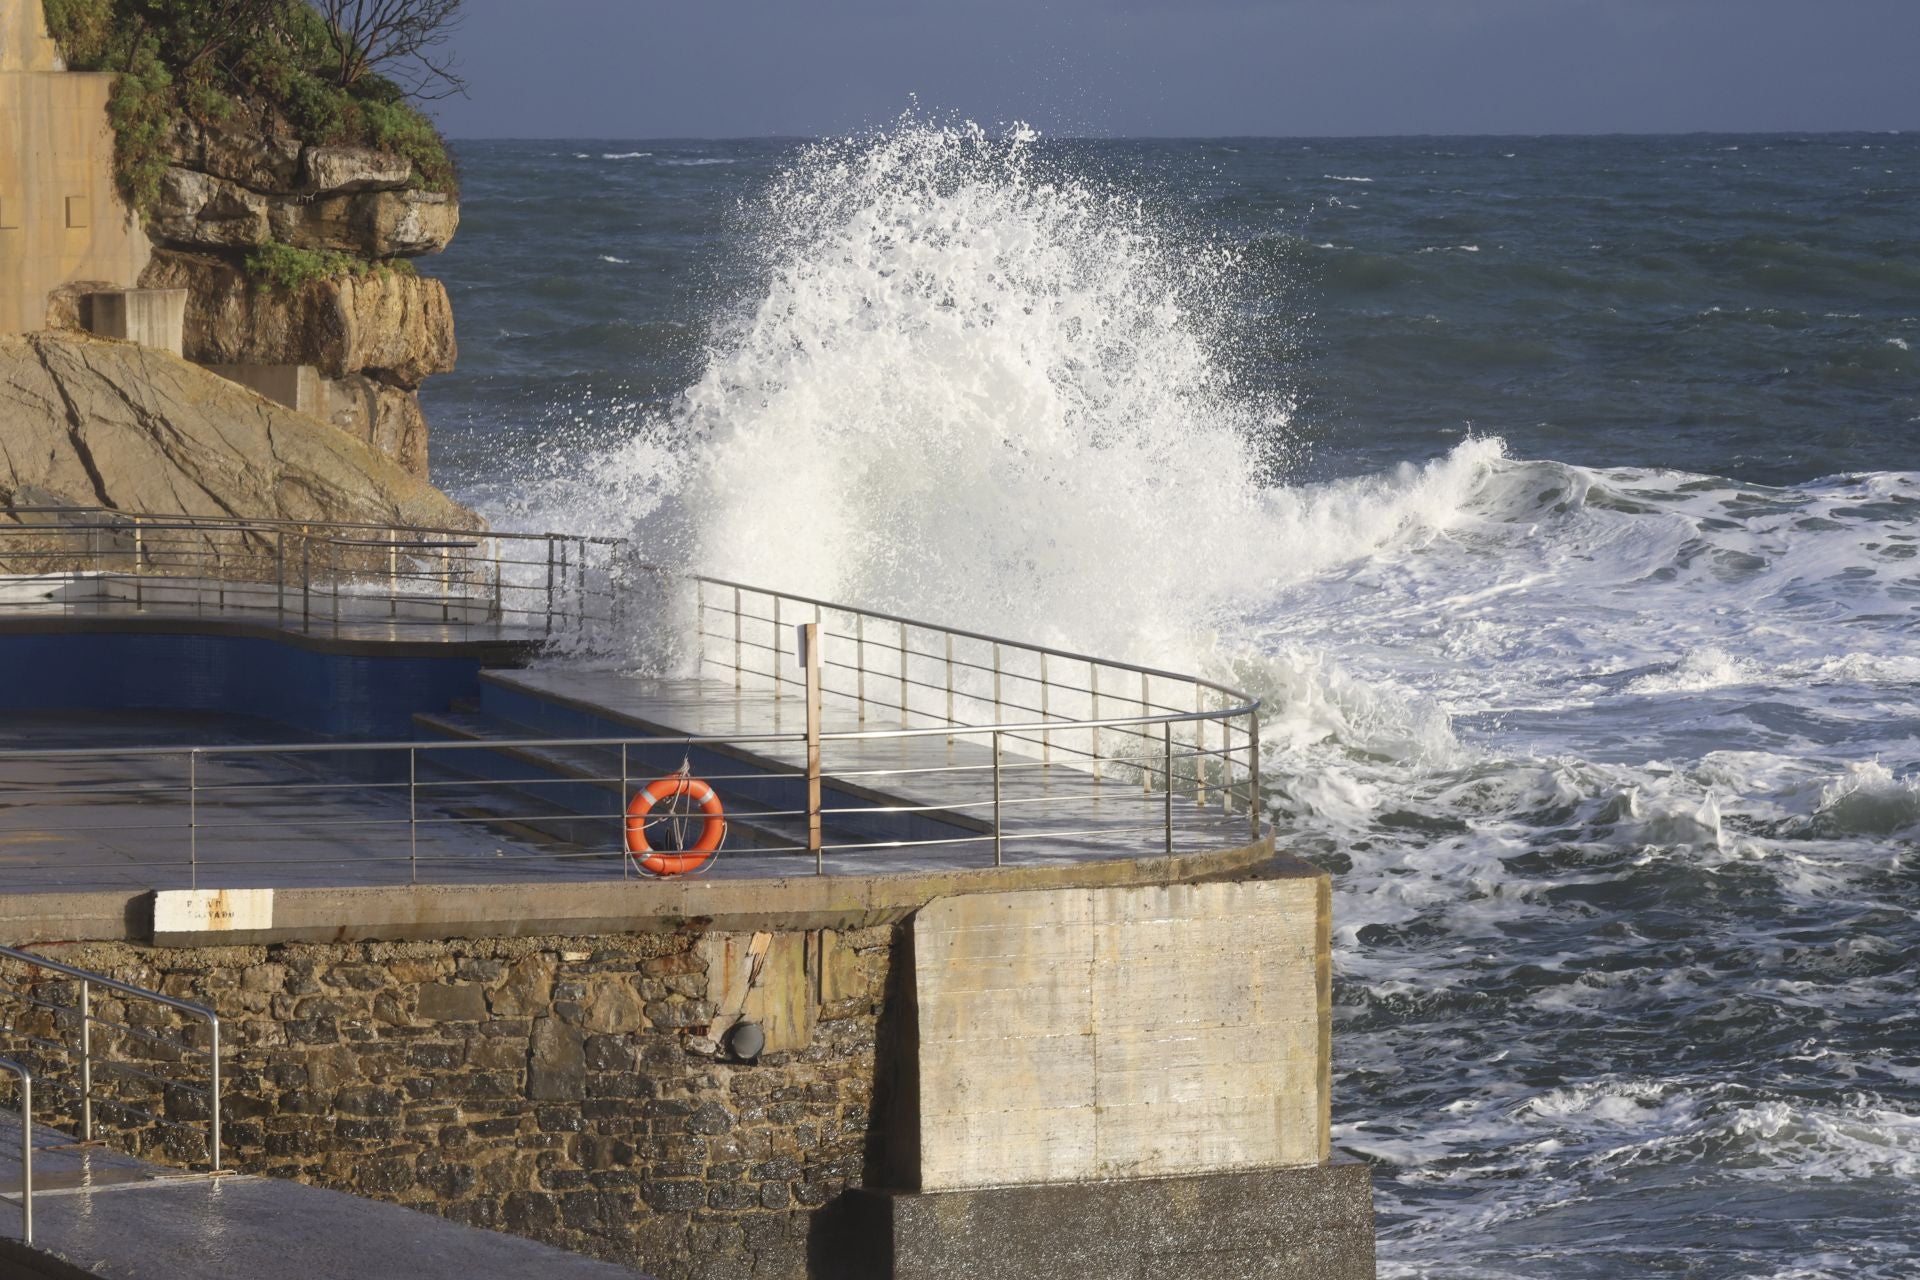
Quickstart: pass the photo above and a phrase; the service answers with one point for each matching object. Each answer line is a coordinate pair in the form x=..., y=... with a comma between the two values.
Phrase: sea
x=1560, y=497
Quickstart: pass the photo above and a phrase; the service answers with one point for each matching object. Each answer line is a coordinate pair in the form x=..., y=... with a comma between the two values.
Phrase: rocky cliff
x=92, y=421
x=298, y=254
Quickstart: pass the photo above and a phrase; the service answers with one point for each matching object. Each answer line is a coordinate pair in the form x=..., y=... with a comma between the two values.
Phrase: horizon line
x=1197, y=137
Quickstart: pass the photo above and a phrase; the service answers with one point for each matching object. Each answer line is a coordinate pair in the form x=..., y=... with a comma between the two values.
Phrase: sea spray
x=1611, y=757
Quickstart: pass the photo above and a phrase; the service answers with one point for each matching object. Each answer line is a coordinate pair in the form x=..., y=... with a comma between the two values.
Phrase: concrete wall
x=1146, y=1065
x=1119, y=1033
x=150, y=317
x=61, y=217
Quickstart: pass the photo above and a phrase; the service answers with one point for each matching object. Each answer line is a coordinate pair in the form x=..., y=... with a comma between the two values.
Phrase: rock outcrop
x=97, y=422
x=248, y=182
x=394, y=326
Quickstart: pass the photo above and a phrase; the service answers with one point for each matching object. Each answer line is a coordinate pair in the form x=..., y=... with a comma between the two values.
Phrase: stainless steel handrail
x=670, y=740
x=88, y=980
x=985, y=677
x=960, y=633
x=26, y=1146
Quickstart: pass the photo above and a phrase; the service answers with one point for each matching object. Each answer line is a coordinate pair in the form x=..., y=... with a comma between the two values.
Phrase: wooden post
x=808, y=651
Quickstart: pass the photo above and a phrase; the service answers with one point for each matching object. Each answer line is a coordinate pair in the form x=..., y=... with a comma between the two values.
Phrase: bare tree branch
x=401, y=39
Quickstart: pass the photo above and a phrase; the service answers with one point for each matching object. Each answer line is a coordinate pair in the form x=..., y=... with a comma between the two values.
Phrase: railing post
x=997, y=716
x=499, y=586
x=333, y=580
x=996, y=798
x=1166, y=795
x=306, y=583
x=1046, y=735
x=949, y=636
x=26, y=1147
x=86, y=1061
x=903, y=674
x=1199, y=749
x=1253, y=772
x=413, y=815
x=139, y=556
x=393, y=573
x=779, y=682
x=280, y=575
x=213, y=1138
x=193, y=819
x=1146, y=775
x=860, y=664
x=1093, y=679
x=620, y=815
x=808, y=651
x=738, y=652
x=549, y=585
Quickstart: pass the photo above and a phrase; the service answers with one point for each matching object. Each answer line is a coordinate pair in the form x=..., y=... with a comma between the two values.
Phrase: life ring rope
x=671, y=790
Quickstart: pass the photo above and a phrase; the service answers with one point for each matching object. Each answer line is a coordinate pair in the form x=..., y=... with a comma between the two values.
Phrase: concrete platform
x=98, y=1213
x=1056, y=811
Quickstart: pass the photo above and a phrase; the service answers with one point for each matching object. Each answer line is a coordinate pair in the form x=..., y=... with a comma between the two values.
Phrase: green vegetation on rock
x=203, y=59
x=283, y=266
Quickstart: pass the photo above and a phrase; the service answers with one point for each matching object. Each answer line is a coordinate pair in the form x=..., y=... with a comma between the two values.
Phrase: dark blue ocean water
x=1737, y=305
x=1560, y=496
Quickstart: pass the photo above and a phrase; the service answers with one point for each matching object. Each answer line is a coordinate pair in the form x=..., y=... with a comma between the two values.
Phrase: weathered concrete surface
x=1107, y=1033
x=97, y=422
x=61, y=218
x=521, y=909
x=151, y=317
x=1274, y=1224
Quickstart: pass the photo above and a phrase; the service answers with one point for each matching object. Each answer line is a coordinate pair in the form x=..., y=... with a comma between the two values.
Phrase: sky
x=741, y=68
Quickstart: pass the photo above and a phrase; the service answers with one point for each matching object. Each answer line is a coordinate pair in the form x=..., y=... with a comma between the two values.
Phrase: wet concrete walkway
x=100, y=1213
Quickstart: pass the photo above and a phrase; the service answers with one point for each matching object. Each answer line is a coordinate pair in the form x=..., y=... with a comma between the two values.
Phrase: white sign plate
x=211, y=910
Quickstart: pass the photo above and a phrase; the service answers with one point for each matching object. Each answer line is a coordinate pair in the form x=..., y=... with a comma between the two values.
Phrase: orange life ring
x=713, y=829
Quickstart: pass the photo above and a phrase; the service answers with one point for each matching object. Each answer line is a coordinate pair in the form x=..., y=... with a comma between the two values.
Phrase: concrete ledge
x=491, y=651
x=580, y=908
x=1310, y=1223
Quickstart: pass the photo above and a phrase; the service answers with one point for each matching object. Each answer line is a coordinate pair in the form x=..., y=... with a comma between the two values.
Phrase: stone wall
x=568, y=1089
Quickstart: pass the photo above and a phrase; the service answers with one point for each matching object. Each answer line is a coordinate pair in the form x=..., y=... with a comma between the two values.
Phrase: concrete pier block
x=150, y=317
x=1083, y=1034
x=297, y=386
x=1311, y=1223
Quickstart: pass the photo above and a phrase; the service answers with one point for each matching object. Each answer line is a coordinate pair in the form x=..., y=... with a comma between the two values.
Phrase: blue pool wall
x=329, y=693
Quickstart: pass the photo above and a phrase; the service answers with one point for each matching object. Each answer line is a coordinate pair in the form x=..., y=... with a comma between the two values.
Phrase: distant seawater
x=1561, y=497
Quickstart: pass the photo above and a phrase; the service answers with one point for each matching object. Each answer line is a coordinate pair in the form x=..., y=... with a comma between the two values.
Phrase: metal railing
x=317, y=576
x=224, y=814
x=1071, y=708
x=989, y=741
x=24, y=1079
x=109, y=1053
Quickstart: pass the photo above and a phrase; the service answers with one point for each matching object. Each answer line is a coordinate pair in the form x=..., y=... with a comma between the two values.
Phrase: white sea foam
x=1337, y=177
x=1502, y=696
x=624, y=155
x=607, y=257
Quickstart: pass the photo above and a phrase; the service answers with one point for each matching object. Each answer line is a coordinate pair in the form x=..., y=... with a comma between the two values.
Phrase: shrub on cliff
x=286, y=267
x=197, y=58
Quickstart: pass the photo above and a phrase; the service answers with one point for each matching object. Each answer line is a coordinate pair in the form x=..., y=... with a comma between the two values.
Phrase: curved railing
x=937, y=739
